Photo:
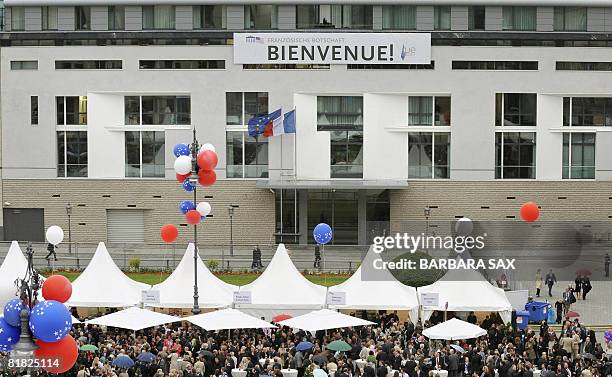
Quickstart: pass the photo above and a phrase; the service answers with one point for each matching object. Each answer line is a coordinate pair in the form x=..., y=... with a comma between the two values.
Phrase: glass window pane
x=307, y=16
x=116, y=17
x=260, y=17
x=443, y=111
x=255, y=105
x=132, y=154
x=442, y=16
x=17, y=18
x=233, y=108
x=49, y=18
x=339, y=113
x=82, y=18
x=400, y=17
x=234, y=147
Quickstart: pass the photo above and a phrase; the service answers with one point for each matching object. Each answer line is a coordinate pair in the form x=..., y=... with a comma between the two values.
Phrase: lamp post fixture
x=427, y=214
x=69, y=213
x=230, y=210
x=193, y=179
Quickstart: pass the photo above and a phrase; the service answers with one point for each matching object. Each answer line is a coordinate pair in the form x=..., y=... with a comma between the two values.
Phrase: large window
x=346, y=154
x=587, y=111
x=88, y=64
x=157, y=110
x=398, y=17
x=247, y=157
x=515, y=155
x=339, y=113
x=72, y=153
x=287, y=219
x=49, y=18
x=260, y=17
x=240, y=107
x=429, y=111
x=334, y=16
x=116, y=17
x=19, y=65
x=519, y=18
x=181, y=64
x=583, y=66
x=71, y=110
x=209, y=17
x=442, y=17
x=496, y=65
x=17, y=18
x=578, y=155
x=428, y=155
x=82, y=18
x=158, y=17
x=515, y=109
x=144, y=154
x=476, y=17
x=570, y=19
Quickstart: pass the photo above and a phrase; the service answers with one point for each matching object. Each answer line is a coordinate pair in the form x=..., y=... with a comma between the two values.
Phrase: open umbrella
x=146, y=357
x=339, y=345
x=206, y=353
x=572, y=315
x=303, y=346
x=88, y=347
x=281, y=317
x=123, y=362
x=587, y=355
x=457, y=348
x=583, y=272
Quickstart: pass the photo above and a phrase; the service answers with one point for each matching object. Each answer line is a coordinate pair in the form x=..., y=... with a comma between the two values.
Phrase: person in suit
x=382, y=370
x=466, y=369
x=578, y=285
x=453, y=363
x=418, y=372
x=586, y=287
x=438, y=361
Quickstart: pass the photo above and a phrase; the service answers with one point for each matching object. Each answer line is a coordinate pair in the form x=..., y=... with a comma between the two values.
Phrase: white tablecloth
x=361, y=363
x=391, y=373
x=536, y=373
x=441, y=373
x=239, y=373
x=289, y=372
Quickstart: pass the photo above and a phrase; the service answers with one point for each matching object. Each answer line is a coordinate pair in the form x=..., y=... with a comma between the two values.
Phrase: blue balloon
x=186, y=206
x=6, y=349
x=188, y=186
x=322, y=233
x=12, y=311
x=50, y=321
x=181, y=150
x=9, y=335
x=203, y=218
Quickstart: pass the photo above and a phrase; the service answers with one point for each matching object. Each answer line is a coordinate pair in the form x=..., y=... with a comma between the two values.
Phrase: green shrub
x=212, y=264
x=134, y=264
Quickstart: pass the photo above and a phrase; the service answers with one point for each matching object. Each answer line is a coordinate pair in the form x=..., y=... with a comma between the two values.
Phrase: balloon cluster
x=608, y=335
x=322, y=233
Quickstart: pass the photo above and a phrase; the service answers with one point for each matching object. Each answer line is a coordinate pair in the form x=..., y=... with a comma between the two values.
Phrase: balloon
x=188, y=186
x=169, y=233
x=193, y=217
x=12, y=311
x=207, y=147
x=182, y=177
x=207, y=178
x=204, y=208
x=322, y=233
x=207, y=160
x=186, y=206
x=57, y=288
x=182, y=165
x=203, y=218
x=5, y=348
x=50, y=321
x=9, y=335
x=181, y=150
x=55, y=235
x=58, y=357
x=464, y=227
x=530, y=212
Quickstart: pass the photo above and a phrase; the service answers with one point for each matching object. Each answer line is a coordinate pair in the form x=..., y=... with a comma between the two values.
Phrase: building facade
x=515, y=105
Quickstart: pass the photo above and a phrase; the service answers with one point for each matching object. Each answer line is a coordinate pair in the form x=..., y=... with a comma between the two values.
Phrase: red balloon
x=57, y=357
x=57, y=287
x=207, y=160
x=207, y=177
x=530, y=212
x=169, y=233
x=193, y=217
x=182, y=177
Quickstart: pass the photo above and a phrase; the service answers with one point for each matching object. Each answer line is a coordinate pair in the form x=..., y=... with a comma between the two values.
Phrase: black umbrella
x=206, y=353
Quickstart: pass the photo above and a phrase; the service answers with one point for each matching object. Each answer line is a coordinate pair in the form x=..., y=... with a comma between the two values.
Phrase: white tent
x=133, y=319
x=454, y=329
x=322, y=320
x=380, y=292
x=281, y=288
x=103, y=284
x=227, y=319
x=464, y=291
x=13, y=267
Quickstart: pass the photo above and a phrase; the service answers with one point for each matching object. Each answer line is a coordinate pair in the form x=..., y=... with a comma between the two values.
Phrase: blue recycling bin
x=538, y=311
x=522, y=319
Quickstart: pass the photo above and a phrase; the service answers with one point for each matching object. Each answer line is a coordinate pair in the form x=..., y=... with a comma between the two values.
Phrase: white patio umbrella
x=322, y=320
x=227, y=319
x=454, y=329
x=134, y=319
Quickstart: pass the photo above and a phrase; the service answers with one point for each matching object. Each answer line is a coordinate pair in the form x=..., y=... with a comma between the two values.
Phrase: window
x=72, y=153
x=428, y=155
x=285, y=66
x=209, y=17
x=515, y=155
x=116, y=17
x=334, y=16
x=160, y=17
x=182, y=64
x=247, y=157
x=347, y=153
x=157, y=110
x=578, y=155
x=339, y=113
x=287, y=219
x=17, y=18
x=260, y=17
x=476, y=18
x=33, y=110
x=49, y=18
x=432, y=65
x=587, y=111
x=71, y=110
x=88, y=64
x=399, y=17
x=82, y=18
x=422, y=110
x=240, y=107
x=442, y=16
x=18, y=65
x=519, y=18
x=584, y=66
x=144, y=154
x=515, y=109
x=496, y=65
x=570, y=19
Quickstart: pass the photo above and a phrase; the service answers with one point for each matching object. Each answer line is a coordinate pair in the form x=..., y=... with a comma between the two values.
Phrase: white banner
x=242, y=297
x=150, y=296
x=332, y=48
x=430, y=299
x=336, y=298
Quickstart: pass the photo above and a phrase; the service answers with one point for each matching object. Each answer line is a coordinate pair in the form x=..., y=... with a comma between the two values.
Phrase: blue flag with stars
x=257, y=125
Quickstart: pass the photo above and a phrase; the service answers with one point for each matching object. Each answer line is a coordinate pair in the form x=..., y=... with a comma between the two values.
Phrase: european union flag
x=257, y=125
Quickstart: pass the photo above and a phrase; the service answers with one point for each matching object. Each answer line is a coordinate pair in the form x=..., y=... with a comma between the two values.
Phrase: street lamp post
x=193, y=179
x=69, y=213
x=230, y=210
x=426, y=213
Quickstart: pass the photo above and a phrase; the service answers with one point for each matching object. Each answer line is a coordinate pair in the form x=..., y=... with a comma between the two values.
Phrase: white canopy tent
x=176, y=292
x=13, y=267
x=134, y=319
x=464, y=291
x=381, y=291
x=454, y=329
x=322, y=320
x=103, y=284
x=281, y=288
x=227, y=319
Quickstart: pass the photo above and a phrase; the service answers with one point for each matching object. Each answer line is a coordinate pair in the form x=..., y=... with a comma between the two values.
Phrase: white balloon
x=207, y=147
x=464, y=227
x=182, y=165
x=204, y=208
x=55, y=235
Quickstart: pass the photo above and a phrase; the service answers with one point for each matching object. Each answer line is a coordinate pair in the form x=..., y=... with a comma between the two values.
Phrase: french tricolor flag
x=283, y=124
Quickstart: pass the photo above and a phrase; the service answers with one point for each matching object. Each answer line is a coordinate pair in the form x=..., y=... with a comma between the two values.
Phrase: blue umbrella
x=303, y=346
x=146, y=357
x=123, y=362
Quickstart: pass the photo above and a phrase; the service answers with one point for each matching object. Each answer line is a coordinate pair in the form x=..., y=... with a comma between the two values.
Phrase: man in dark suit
x=453, y=364
x=438, y=361
x=381, y=371
x=418, y=372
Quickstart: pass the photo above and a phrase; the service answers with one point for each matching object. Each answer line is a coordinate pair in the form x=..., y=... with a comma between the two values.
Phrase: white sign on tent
x=430, y=299
x=150, y=296
x=336, y=298
x=242, y=297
